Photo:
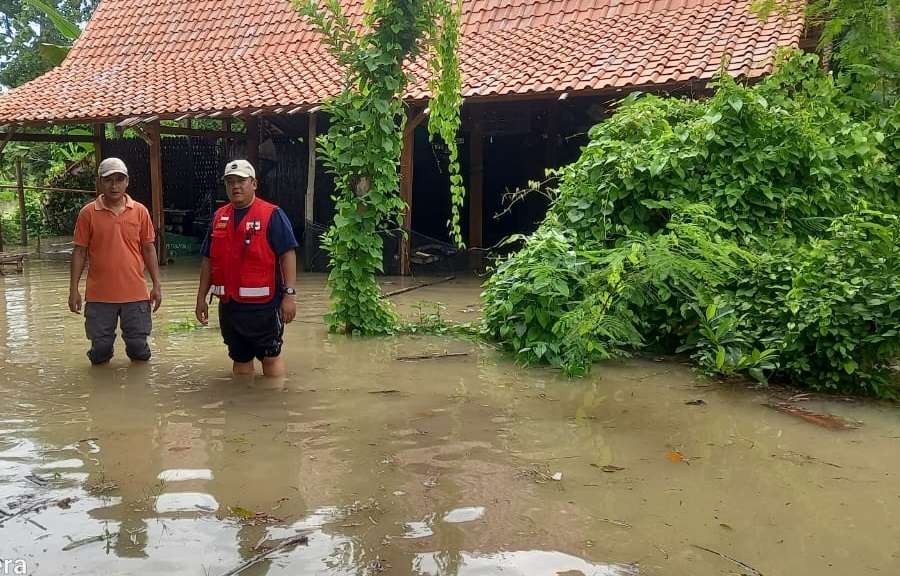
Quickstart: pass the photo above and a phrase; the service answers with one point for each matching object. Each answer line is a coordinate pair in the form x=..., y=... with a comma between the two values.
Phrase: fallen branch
x=301, y=539
x=25, y=510
x=431, y=356
x=417, y=286
x=615, y=522
x=83, y=542
x=36, y=523
x=829, y=421
x=753, y=571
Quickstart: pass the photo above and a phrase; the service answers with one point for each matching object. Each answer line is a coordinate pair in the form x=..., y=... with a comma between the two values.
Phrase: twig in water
x=753, y=571
x=36, y=523
x=417, y=286
x=615, y=522
x=83, y=541
x=301, y=539
x=25, y=510
x=431, y=356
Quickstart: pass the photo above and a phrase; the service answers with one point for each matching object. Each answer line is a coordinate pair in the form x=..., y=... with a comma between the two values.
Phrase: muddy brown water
x=435, y=467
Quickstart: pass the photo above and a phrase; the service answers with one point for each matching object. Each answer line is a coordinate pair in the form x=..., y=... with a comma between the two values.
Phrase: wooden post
x=23, y=216
x=99, y=138
x=476, y=192
x=252, y=152
x=157, y=212
x=310, y=204
x=552, y=144
x=406, y=189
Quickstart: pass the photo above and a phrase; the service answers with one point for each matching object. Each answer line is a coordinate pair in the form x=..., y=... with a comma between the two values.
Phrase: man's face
x=113, y=186
x=241, y=191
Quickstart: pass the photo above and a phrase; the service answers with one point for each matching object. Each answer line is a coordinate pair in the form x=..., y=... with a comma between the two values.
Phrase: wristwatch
x=290, y=291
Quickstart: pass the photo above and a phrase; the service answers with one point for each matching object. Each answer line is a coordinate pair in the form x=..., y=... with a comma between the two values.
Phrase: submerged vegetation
x=756, y=229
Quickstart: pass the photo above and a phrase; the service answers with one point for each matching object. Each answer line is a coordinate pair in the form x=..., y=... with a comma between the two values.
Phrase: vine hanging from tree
x=365, y=139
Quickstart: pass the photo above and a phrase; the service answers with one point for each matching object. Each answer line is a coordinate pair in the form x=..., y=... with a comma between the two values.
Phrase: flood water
x=465, y=465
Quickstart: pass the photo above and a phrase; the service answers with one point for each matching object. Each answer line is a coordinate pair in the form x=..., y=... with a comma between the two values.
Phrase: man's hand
x=75, y=301
x=288, y=309
x=156, y=297
x=202, y=312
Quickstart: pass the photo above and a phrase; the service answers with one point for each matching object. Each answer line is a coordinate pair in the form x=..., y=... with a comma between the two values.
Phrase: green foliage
x=61, y=208
x=444, y=119
x=773, y=158
x=729, y=227
x=183, y=325
x=570, y=304
x=844, y=326
x=720, y=347
x=25, y=26
x=363, y=145
x=34, y=218
x=863, y=37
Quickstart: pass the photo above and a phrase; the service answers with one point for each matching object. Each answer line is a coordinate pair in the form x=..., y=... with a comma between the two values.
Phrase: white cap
x=112, y=166
x=240, y=168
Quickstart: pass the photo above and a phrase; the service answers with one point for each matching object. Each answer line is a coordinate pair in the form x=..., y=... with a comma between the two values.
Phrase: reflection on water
x=469, y=467
x=518, y=564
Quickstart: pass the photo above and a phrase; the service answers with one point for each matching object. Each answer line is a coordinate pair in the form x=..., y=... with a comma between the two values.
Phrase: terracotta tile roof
x=173, y=57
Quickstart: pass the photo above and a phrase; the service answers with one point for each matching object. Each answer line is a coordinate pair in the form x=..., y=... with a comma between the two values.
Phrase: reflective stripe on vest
x=244, y=292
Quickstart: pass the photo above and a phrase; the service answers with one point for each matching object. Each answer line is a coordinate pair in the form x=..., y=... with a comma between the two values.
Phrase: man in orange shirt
x=115, y=235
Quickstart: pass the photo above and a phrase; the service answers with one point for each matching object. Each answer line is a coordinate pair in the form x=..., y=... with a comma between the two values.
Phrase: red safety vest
x=242, y=261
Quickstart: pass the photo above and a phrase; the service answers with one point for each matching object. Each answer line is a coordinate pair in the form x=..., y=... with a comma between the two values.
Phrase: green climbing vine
x=364, y=141
x=445, y=104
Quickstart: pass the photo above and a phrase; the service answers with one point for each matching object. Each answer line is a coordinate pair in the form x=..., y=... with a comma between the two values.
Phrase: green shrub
x=34, y=218
x=729, y=227
x=844, y=325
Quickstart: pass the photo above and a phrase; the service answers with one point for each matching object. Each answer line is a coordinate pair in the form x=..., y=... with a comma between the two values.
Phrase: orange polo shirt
x=113, y=242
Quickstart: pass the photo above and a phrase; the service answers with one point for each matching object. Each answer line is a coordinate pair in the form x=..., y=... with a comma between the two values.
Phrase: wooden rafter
x=13, y=136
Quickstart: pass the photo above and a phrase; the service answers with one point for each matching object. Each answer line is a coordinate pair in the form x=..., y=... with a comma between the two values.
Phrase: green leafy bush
x=34, y=218
x=61, y=208
x=843, y=327
x=729, y=227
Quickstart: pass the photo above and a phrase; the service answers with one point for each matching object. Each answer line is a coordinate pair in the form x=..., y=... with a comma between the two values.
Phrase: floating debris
x=829, y=421
x=468, y=514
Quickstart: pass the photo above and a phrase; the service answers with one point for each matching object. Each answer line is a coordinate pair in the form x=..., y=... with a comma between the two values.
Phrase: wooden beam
x=182, y=131
x=30, y=137
x=414, y=121
x=48, y=189
x=6, y=139
x=23, y=215
x=476, y=192
x=406, y=189
x=252, y=153
x=310, y=201
x=157, y=212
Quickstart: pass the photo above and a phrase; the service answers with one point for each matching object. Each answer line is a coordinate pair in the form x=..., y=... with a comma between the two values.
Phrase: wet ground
x=463, y=465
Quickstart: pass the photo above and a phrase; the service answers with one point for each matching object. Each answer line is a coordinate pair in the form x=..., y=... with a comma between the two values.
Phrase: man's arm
x=151, y=262
x=202, y=309
x=288, y=264
x=79, y=257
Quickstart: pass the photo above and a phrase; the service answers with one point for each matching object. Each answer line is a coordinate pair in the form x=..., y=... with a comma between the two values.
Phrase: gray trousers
x=100, y=319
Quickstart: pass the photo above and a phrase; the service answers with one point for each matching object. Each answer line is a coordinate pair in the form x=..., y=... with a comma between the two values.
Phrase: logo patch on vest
x=254, y=225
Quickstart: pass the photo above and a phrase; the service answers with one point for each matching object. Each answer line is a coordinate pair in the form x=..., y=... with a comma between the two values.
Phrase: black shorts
x=251, y=331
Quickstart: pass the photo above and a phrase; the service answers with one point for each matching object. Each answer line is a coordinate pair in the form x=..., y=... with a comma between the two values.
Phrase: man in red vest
x=249, y=263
